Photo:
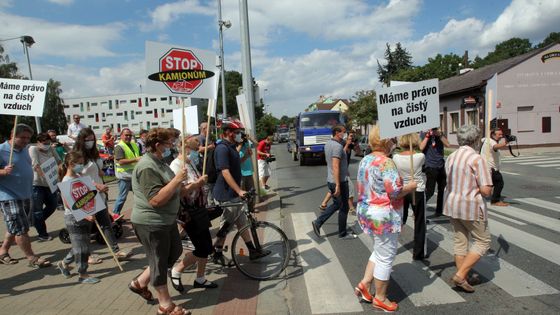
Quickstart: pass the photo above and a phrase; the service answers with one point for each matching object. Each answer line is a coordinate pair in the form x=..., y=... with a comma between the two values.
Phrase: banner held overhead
x=22, y=97
x=408, y=108
x=180, y=70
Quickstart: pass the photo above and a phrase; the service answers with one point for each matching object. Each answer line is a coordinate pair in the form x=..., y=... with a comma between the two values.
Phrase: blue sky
x=300, y=49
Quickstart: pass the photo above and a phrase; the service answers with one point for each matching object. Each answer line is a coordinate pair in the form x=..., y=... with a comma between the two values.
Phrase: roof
x=323, y=106
x=478, y=77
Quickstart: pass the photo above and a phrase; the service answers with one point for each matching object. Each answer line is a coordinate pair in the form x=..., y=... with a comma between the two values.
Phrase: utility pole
x=248, y=81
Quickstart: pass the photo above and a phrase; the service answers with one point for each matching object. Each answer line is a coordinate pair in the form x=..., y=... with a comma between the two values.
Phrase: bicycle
x=266, y=236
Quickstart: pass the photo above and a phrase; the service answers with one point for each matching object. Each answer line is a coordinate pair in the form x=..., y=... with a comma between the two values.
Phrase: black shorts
x=202, y=241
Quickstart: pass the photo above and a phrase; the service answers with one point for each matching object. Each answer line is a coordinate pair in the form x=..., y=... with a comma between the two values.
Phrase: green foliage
x=397, y=60
x=553, y=37
x=288, y=121
x=266, y=125
x=441, y=67
x=363, y=110
x=53, y=115
x=505, y=50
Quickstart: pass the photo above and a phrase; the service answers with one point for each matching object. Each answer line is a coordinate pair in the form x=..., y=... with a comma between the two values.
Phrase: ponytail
x=70, y=158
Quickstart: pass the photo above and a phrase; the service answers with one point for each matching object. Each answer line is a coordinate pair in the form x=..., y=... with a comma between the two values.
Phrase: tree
x=53, y=115
x=266, y=126
x=363, y=110
x=505, y=50
x=397, y=60
x=8, y=70
x=441, y=67
x=553, y=37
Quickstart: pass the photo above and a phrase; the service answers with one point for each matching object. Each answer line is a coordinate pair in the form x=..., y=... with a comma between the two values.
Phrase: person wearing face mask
x=43, y=201
x=157, y=194
x=337, y=182
x=16, y=183
x=228, y=190
x=127, y=155
x=93, y=167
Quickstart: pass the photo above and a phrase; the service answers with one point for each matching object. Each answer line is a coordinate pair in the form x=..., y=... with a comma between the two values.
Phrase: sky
x=300, y=49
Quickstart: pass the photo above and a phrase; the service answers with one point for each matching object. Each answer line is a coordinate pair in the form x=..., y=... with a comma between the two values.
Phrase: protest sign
x=244, y=113
x=408, y=108
x=22, y=97
x=80, y=195
x=180, y=70
x=191, y=119
x=50, y=171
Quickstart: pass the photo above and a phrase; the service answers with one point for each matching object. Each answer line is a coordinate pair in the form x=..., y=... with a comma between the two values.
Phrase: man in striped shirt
x=468, y=181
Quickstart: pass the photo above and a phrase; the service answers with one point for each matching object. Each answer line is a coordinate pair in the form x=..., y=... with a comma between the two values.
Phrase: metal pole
x=26, y=50
x=222, y=71
x=248, y=78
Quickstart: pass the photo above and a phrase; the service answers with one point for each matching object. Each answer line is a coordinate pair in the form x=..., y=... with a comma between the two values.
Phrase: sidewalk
x=46, y=291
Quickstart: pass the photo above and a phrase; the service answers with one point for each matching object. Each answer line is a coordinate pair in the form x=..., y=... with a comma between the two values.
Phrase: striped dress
x=466, y=172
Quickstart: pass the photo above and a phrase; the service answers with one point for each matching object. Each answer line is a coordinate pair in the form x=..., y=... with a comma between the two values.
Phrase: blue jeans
x=124, y=187
x=339, y=203
x=42, y=196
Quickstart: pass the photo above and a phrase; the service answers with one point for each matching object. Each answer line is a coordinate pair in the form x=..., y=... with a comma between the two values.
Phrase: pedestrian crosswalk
x=541, y=161
x=531, y=226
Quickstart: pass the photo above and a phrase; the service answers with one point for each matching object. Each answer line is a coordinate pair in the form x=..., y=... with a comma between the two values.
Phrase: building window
x=132, y=114
x=95, y=127
x=442, y=126
x=546, y=124
x=81, y=107
x=148, y=124
x=75, y=105
x=93, y=104
x=119, y=128
x=155, y=113
x=163, y=99
x=110, y=104
x=525, y=108
x=153, y=99
x=119, y=114
x=96, y=117
x=133, y=101
x=162, y=112
x=149, y=112
x=90, y=116
x=125, y=115
x=471, y=117
x=454, y=122
x=139, y=113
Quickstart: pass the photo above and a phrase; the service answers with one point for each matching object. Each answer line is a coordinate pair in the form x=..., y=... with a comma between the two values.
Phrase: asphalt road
x=521, y=274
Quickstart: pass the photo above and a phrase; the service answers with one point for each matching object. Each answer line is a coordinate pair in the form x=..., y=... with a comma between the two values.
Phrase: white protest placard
x=22, y=97
x=80, y=195
x=191, y=119
x=180, y=70
x=50, y=170
x=244, y=113
x=408, y=108
x=492, y=97
x=211, y=111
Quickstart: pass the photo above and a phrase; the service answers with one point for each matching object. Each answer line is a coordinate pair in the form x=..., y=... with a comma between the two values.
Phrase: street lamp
x=27, y=41
x=222, y=24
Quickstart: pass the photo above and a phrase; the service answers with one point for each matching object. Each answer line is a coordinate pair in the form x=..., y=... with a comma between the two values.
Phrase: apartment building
x=135, y=111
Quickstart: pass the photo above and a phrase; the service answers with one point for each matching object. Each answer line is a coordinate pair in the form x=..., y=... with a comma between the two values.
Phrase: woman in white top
x=402, y=160
x=93, y=167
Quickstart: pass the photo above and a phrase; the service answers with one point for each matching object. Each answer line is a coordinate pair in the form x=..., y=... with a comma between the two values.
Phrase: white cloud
x=64, y=40
x=163, y=15
x=61, y=2
x=6, y=3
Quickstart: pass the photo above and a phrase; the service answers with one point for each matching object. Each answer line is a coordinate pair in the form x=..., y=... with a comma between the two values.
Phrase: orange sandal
x=388, y=308
x=172, y=309
x=142, y=291
x=363, y=293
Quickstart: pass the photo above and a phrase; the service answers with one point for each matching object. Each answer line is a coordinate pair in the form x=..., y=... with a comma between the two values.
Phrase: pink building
x=528, y=97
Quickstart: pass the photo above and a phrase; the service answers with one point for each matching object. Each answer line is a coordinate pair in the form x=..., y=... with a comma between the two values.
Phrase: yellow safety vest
x=128, y=154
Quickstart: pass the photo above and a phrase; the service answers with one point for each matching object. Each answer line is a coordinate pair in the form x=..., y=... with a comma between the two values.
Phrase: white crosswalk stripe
x=421, y=285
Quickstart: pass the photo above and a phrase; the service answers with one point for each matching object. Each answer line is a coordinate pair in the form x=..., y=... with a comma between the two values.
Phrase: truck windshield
x=283, y=130
x=323, y=120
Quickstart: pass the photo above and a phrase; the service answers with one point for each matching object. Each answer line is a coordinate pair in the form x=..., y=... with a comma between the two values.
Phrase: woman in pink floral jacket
x=380, y=193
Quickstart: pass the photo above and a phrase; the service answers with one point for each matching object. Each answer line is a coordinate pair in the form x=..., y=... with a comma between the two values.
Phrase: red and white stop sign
x=181, y=70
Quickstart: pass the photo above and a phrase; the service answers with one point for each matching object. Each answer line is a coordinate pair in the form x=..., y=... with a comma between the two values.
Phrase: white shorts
x=383, y=255
x=264, y=168
x=351, y=192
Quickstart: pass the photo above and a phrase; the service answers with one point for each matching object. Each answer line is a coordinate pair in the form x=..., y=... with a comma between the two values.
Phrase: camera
x=269, y=159
x=510, y=138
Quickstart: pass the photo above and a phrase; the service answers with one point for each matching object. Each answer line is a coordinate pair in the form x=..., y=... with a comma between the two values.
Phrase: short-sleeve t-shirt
x=334, y=149
x=18, y=185
x=246, y=165
x=263, y=147
x=226, y=157
x=434, y=153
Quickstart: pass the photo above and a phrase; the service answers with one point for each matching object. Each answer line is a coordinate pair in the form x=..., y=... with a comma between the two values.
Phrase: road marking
x=529, y=216
x=508, y=219
x=421, y=285
x=527, y=158
x=509, y=278
x=549, y=165
x=509, y=173
x=541, y=203
x=539, y=162
x=324, y=276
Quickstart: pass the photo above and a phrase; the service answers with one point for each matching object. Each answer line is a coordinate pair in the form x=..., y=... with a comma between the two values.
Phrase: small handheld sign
x=50, y=168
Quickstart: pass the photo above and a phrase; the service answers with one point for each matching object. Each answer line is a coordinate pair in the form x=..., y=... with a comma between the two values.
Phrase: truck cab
x=312, y=130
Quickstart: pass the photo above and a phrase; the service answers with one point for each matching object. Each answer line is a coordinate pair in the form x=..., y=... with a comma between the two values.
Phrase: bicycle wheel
x=271, y=238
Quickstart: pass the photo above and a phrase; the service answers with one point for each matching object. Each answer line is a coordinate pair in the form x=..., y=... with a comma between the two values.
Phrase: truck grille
x=312, y=140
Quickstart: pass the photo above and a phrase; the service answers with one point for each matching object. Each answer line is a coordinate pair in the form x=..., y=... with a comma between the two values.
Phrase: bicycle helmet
x=231, y=124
